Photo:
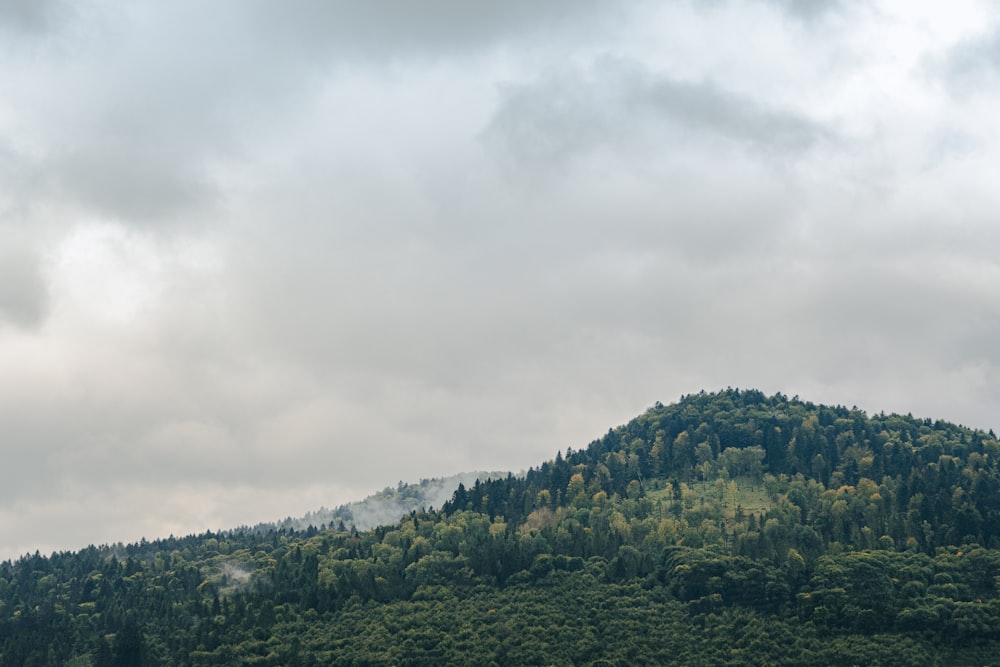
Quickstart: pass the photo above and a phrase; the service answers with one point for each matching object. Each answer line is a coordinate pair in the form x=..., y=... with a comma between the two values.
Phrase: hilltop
x=729, y=528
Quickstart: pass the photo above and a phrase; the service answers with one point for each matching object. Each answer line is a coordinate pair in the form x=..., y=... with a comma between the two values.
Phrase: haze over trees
x=387, y=506
x=730, y=528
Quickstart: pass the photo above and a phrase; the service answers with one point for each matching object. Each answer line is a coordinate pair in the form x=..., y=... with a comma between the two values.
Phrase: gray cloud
x=151, y=124
x=32, y=16
x=971, y=66
x=139, y=182
x=255, y=260
x=22, y=295
x=23, y=292
x=619, y=105
x=809, y=10
x=390, y=28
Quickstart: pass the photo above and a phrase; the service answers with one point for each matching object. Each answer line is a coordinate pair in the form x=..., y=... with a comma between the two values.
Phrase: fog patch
x=234, y=576
x=385, y=507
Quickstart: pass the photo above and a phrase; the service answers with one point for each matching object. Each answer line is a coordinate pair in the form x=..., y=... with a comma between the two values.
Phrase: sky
x=258, y=258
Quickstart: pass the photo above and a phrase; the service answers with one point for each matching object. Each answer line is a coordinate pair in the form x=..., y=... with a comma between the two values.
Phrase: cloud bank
x=259, y=260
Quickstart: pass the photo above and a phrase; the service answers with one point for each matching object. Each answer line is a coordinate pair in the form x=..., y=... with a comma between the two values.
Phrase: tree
x=129, y=647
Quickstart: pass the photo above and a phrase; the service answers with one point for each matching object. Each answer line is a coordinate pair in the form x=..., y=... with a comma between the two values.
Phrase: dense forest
x=730, y=528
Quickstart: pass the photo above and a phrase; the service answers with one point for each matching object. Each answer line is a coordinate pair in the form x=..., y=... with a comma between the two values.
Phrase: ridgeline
x=730, y=528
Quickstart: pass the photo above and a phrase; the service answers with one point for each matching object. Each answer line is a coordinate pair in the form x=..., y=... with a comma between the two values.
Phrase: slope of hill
x=387, y=506
x=730, y=528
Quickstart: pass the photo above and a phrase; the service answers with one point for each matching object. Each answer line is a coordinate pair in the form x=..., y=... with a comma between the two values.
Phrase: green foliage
x=727, y=529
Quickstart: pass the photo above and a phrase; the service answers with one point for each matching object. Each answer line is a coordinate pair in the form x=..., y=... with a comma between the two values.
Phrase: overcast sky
x=258, y=257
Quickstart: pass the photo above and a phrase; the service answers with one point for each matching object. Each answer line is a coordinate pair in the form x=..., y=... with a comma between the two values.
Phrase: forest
x=729, y=528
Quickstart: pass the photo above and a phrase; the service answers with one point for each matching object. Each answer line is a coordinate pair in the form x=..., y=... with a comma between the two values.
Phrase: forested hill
x=921, y=483
x=730, y=528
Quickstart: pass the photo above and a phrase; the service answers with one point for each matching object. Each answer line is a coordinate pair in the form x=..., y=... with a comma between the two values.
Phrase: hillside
x=387, y=506
x=730, y=528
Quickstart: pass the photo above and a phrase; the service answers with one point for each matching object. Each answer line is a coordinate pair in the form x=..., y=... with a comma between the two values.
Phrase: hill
x=730, y=528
